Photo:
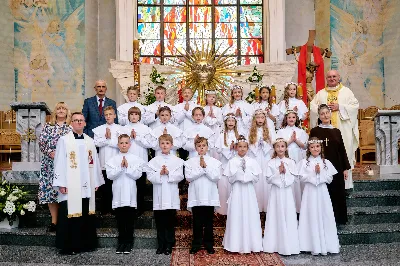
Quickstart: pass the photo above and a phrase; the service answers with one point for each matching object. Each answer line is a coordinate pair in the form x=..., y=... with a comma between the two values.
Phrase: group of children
x=237, y=164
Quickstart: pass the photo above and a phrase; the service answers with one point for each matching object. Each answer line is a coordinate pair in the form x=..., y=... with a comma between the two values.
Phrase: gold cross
x=30, y=135
x=326, y=141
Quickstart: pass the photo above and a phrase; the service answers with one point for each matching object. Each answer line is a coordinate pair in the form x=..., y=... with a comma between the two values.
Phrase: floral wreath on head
x=229, y=116
x=241, y=139
x=290, y=111
x=314, y=141
x=259, y=112
x=291, y=83
x=210, y=92
x=279, y=140
x=234, y=87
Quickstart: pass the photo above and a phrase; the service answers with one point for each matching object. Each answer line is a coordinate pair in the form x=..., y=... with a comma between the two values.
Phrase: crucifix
x=310, y=65
x=326, y=141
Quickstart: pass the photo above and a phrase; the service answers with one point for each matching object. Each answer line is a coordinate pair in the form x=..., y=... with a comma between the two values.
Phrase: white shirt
x=295, y=152
x=190, y=135
x=153, y=108
x=243, y=123
x=215, y=123
x=124, y=179
x=144, y=139
x=123, y=110
x=98, y=100
x=107, y=147
x=175, y=132
x=165, y=187
x=183, y=118
x=203, y=189
x=275, y=178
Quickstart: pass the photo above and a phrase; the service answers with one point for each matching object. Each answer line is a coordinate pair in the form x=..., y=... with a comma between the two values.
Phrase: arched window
x=166, y=25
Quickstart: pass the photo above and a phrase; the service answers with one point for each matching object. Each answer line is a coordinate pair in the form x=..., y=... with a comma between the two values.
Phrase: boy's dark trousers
x=203, y=217
x=125, y=224
x=105, y=192
x=165, y=223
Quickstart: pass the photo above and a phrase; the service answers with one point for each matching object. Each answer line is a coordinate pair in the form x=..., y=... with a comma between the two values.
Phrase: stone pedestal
x=31, y=118
x=387, y=134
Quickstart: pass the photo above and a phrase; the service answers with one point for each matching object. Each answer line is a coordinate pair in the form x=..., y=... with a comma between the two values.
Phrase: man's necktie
x=101, y=106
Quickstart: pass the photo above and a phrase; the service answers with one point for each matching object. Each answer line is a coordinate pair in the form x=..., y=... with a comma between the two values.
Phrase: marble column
x=387, y=134
x=126, y=32
x=276, y=33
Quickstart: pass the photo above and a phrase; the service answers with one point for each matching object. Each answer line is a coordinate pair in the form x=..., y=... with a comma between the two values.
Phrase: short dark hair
x=123, y=136
x=200, y=140
x=77, y=113
x=165, y=108
x=135, y=110
x=198, y=108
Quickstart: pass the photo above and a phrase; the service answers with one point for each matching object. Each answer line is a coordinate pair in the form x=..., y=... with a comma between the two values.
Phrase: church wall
x=355, y=34
x=107, y=35
x=391, y=37
x=300, y=18
x=91, y=48
x=6, y=58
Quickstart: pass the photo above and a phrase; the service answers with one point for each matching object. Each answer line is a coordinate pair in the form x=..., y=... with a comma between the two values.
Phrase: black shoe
x=128, y=248
x=67, y=252
x=52, y=228
x=120, y=249
x=168, y=251
x=160, y=251
x=194, y=250
x=210, y=250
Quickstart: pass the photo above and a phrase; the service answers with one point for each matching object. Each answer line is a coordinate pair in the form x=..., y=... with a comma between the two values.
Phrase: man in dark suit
x=93, y=108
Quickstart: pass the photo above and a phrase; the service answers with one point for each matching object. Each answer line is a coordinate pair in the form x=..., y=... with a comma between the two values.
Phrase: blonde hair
x=226, y=129
x=286, y=94
x=108, y=108
x=253, y=130
x=133, y=88
x=53, y=118
x=166, y=137
x=274, y=155
x=235, y=88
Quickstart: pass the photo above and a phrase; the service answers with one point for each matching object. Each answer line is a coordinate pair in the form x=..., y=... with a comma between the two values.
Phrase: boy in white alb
x=203, y=173
x=124, y=169
x=106, y=139
x=154, y=108
x=166, y=127
x=213, y=119
x=133, y=94
x=197, y=130
x=182, y=112
x=164, y=172
x=141, y=139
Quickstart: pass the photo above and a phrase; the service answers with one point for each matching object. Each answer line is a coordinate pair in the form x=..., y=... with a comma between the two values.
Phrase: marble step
x=144, y=238
x=369, y=233
x=377, y=184
x=42, y=217
x=373, y=215
x=374, y=198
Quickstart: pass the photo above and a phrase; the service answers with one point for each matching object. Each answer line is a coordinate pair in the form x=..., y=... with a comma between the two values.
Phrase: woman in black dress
x=335, y=152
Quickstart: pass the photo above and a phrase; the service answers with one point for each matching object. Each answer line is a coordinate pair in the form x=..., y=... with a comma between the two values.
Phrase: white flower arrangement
x=13, y=202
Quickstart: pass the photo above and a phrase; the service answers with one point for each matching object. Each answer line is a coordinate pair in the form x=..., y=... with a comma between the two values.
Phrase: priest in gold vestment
x=344, y=107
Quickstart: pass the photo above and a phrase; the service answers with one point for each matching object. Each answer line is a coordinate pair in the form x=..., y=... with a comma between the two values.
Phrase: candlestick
x=273, y=93
x=300, y=91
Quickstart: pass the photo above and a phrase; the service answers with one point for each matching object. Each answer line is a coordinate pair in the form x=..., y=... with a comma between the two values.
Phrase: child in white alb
x=281, y=233
x=317, y=226
x=203, y=173
x=124, y=169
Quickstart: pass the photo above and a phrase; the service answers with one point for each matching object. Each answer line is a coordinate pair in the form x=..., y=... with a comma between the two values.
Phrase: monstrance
x=206, y=69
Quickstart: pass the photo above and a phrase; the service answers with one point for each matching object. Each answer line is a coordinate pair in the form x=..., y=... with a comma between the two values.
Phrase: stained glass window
x=166, y=26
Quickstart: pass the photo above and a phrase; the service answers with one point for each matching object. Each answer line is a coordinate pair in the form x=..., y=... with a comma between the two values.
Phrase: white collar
x=325, y=126
x=334, y=88
x=312, y=158
x=98, y=99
